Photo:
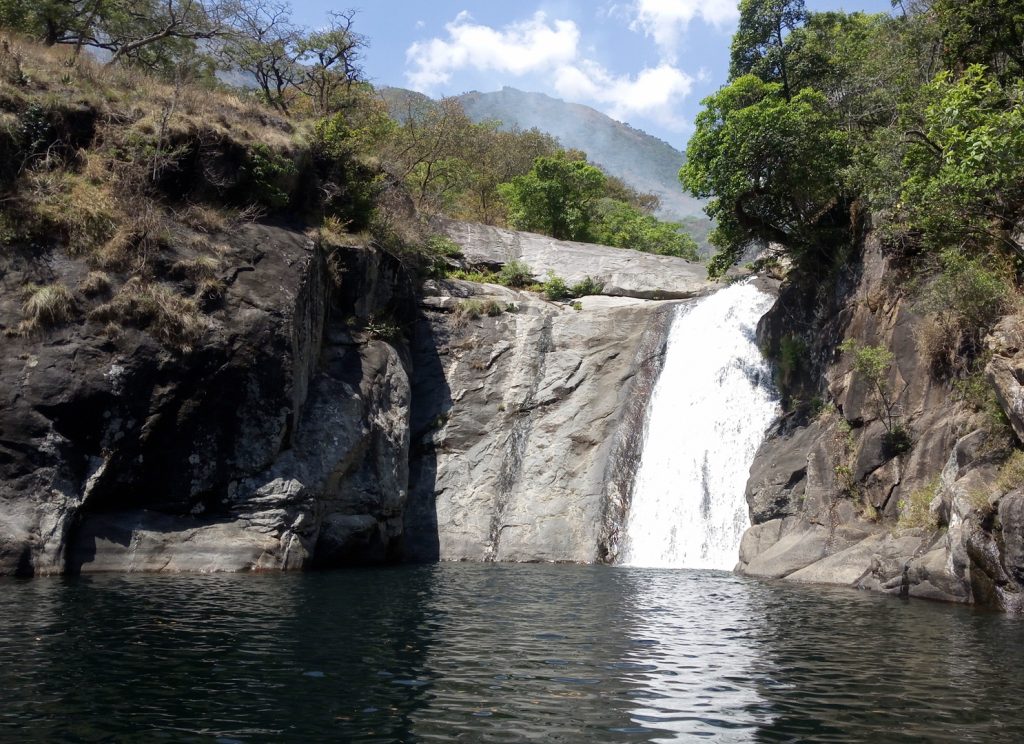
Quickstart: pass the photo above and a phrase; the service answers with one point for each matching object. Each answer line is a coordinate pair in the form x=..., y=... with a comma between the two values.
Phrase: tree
x=966, y=185
x=873, y=365
x=330, y=61
x=759, y=44
x=496, y=157
x=770, y=166
x=425, y=151
x=556, y=197
x=153, y=33
x=623, y=225
x=263, y=45
x=988, y=32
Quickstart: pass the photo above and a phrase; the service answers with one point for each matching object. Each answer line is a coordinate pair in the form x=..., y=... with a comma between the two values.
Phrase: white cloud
x=548, y=52
x=665, y=20
x=517, y=49
x=654, y=92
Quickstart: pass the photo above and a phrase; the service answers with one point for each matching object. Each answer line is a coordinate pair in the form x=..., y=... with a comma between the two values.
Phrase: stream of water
x=706, y=419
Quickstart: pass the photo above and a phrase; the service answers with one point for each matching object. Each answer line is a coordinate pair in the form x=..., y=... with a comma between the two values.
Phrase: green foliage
x=555, y=288
x=267, y=176
x=975, y=391
x=988, y=32
x=769, y=165
x=586, y=287
x=556, y=197
x=966, y=183
x=382, y=329
x=622, y=225
x=963, y=302
x=791, y=360
x=472, y=275
x=758, y=46
x=515, y=274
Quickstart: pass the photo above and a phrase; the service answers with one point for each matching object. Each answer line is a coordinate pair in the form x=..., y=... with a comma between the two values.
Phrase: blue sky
x=644, y=62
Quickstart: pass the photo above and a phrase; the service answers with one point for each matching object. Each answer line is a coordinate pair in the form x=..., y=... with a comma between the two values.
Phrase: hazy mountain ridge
x=645, y=162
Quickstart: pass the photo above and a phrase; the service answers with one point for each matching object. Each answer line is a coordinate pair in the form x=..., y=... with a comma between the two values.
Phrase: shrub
x=515, y=274
x=480, y=277
x=268, y=174
x=555, y=288
x=915, y=511
x=967, y=297
x=586, y=286
x=792, y=352
x=382, y=329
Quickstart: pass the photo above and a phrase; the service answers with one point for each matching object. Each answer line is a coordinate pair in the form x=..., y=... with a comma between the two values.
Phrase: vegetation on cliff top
x=913, y=118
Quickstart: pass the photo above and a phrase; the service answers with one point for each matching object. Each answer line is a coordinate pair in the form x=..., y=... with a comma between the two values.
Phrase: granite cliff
x=333, y=414
x=833, y=502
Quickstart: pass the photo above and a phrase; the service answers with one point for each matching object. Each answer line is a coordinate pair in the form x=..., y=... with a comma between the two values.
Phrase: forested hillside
x=910, y=123
x=645, y=163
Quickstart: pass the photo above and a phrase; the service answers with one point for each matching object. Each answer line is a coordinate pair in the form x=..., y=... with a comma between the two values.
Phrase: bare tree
x=330, y=60
x=263, y=44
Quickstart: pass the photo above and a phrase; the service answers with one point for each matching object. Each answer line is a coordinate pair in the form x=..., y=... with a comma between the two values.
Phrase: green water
x=494, y=653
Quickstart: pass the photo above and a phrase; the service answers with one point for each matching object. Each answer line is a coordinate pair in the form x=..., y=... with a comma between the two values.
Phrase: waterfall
x=706, y=419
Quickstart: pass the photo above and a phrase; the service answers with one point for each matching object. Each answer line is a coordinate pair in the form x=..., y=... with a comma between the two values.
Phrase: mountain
x=646, y=163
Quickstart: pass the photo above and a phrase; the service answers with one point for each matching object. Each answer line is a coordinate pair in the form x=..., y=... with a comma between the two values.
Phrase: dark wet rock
x=119, y=454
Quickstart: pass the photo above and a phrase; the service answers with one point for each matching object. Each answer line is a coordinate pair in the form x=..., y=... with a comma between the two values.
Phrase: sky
x=647, y=63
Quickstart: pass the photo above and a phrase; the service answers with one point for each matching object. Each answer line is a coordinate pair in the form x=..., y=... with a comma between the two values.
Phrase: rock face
x=622, y=272
x=279, y=442
x=520, y=425
x=322, y=393
x=830, y=499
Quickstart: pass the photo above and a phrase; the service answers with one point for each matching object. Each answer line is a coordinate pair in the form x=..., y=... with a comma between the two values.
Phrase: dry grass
x=84, y=212
x=172, y=319
x=472, y=309
x=124, y=91
x=198, y=269
x=135, y=241
x=95, y=283
x=915, y=511
x=206, y=219
x=46, y=306
x=1011, y=473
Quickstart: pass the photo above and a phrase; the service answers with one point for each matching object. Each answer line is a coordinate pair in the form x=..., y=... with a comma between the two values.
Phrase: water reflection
x=496, y=654
x=691, y=636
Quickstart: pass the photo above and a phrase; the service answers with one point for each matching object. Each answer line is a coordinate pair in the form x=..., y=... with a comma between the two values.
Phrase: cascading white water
x=706, y=419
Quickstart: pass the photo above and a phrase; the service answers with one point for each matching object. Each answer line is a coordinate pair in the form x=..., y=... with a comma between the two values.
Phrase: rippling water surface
x=494, y=653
